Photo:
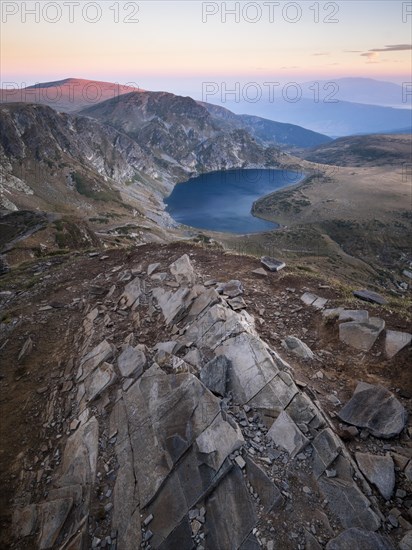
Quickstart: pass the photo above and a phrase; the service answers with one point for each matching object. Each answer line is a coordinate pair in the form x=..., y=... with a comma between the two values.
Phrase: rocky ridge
x=204, y=440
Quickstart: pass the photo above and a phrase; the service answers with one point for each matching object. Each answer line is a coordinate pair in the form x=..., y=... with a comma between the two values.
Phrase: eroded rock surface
x=199, y=437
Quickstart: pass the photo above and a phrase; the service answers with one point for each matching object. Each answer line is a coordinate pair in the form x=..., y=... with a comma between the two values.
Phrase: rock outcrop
x=203, y=440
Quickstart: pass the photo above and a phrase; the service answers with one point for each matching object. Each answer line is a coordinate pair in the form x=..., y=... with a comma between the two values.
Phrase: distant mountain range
x=361, y=90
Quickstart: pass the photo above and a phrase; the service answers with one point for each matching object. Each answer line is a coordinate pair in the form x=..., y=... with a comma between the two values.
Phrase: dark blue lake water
x=222, y=201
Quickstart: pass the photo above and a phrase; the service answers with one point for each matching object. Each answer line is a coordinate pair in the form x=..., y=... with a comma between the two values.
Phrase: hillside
x=371, y=150
x=268, y=131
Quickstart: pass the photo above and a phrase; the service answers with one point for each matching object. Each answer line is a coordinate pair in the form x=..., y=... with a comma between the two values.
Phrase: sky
x=178, y=45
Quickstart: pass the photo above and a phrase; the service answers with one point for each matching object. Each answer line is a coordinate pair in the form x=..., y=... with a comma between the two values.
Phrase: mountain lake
x=222, y=201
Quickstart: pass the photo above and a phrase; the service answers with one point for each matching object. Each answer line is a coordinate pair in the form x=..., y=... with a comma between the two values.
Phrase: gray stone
x=214, y=375
x=237, y=303
x=101, y=353
x=252, y=367
x=358, y=315
x=375, y=409
x=218, y=441
x=272, y=264
x=174, y=305
x=229, y=530
x=369, y=296
x=286, y=435
x=395, y=341
x=347, y=502
x=131, y=295
x=152, y=268
x=131, y=362
x=80, y=456
x=26, y=349
x=308, y=298
x=183, y=271
x=231, y=289
x=299, y=348
x=320, y=303
x=407, y=273
x=326, y=449
x=379, y=470
x=260, y=272
x=361, y=336
x=406, y=542
x=100, y=379
x=359, y=539
x=207, y=298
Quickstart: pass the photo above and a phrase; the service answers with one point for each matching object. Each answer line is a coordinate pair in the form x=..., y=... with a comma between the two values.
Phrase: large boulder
x=183, y=271
x=369, y=296
x=376, y=409
x=299, y=348
x=395, y=342
x=361, y=336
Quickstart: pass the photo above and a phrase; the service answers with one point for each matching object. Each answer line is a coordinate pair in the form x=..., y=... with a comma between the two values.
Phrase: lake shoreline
x=225, y=203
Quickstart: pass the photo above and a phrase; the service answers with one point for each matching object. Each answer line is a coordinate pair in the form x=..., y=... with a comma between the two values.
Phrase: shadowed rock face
x=151, y=456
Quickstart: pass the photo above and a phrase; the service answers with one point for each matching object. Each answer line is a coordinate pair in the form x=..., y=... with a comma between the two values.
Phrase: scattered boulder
x=183, y=271
x=376, y=409
x=260, y=272
x=313, y=300
x=214, y=375
x=272, y=264
x=379, y=470
x=299, y=348
x=99, y=380
x=231, y=289
x=354, y=538
x=361, y=336
x=369, y=296
x=395, y=341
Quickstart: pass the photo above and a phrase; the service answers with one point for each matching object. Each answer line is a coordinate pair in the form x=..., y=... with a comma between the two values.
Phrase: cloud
x=352, y=51
x=370, y=55
x=291, y=67
x=324, y=53
x=393, y=48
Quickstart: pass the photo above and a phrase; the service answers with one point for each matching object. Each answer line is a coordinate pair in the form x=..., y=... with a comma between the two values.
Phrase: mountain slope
x=268, y=131
x=373, y=150
x=181, y=134
x=63, y=163
x=68, y=95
